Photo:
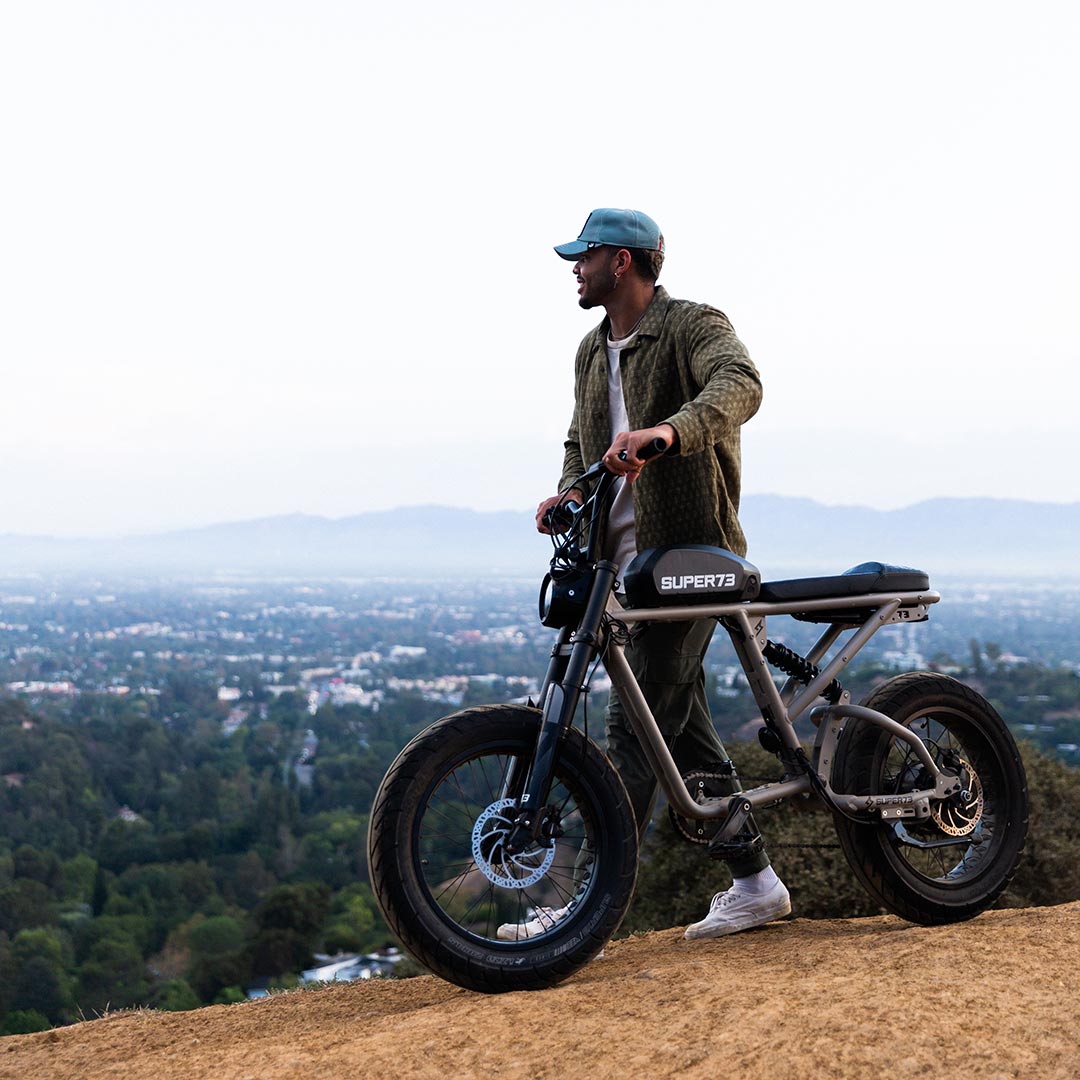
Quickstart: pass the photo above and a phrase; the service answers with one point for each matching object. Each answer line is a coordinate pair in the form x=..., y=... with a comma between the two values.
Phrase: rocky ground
x=995, y=997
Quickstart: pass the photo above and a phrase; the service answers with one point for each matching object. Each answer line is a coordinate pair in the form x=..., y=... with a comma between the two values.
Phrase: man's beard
x=587, y=301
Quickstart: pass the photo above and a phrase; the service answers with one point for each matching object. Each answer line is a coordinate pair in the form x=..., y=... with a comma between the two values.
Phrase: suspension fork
x=556, y=669
x=559, y=705
x=514, y=784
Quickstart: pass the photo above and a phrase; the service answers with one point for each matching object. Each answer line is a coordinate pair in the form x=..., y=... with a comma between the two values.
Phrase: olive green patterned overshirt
x=685, y=367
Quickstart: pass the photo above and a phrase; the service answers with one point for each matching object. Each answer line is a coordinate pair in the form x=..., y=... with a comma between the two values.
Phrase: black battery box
x=689, y=574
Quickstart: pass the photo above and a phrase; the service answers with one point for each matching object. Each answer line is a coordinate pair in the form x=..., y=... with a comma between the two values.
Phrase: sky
x=262, y=257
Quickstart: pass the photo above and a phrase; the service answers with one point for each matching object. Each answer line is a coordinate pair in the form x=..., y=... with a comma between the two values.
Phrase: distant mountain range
x=992, y=537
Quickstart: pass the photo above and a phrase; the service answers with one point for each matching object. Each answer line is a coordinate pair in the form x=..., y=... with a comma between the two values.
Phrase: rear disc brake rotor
x=960, y=814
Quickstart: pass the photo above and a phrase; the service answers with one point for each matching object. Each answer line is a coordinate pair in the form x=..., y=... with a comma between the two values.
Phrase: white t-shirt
x=621, y=541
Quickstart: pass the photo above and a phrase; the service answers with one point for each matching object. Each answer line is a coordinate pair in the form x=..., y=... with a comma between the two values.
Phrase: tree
x=175, y=995
x=355, y=925
x=24, y=905
x=80, y=875
x=7, y=973
x=1049, y=872
x=286, y=925
x=113, y=976
x=99, y=897
x=37, y=865
x=218, y=955
x=977, y=665
x=40, y=980
x=333, y=849
x=24, y=1022
x=249, y=880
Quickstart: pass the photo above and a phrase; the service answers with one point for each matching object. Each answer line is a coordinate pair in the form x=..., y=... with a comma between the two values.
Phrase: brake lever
x=560, y=517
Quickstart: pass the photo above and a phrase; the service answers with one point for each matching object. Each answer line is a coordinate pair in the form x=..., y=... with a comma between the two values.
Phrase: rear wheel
x=957, y=862
x=442, y=874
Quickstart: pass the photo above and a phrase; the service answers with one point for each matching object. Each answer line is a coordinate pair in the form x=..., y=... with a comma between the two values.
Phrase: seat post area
x=749, y=640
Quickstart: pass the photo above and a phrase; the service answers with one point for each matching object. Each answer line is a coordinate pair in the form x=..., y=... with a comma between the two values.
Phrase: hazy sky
x=270, y=256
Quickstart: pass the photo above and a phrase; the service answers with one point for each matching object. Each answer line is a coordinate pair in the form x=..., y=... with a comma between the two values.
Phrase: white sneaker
x=544, y=918
x=736, y=910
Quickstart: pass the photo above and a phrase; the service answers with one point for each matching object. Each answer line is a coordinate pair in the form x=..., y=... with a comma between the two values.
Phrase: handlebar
x=648, y=451
x=560, y=517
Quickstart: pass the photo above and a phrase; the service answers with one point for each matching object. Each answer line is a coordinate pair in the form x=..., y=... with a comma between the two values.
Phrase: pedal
x=739, y=810
x=732, y=850
x=733, y=839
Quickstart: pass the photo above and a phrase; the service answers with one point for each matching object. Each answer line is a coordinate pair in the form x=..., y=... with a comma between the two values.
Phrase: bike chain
x=769, y=846
x=773, y=847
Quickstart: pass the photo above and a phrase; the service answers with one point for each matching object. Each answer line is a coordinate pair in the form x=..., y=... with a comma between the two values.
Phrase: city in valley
x=375, y=644
x=187, y=766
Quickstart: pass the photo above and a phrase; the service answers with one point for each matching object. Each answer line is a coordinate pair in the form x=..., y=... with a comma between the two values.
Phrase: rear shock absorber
x=799, y=668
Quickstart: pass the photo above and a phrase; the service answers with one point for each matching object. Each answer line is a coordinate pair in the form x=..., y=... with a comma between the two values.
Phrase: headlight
x=563, y=598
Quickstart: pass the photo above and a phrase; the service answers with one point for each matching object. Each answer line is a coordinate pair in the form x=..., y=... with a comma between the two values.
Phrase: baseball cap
x=617, y=228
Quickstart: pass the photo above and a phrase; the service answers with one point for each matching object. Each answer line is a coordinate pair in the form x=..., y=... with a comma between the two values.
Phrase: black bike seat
x=861, y=580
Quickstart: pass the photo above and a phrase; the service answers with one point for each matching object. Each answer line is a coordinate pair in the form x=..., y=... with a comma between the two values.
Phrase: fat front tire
x=955, y=864
x=446, y=885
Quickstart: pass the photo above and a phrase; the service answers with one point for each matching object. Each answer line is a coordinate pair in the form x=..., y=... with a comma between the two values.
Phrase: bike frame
x=781, y=708
x=745, y=622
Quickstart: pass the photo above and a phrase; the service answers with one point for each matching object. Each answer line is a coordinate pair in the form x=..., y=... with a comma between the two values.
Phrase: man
x=670, y=369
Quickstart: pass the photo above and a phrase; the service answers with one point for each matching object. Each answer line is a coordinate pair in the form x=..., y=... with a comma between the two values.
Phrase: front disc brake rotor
x=517, y=870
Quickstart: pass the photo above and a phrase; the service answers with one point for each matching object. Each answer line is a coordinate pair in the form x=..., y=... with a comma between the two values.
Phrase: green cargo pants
x=667, y=661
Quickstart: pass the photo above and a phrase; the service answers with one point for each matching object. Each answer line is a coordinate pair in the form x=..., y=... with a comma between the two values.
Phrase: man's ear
x=623, y=262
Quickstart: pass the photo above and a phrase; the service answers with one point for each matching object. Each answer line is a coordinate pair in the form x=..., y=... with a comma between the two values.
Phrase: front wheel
x=474, y=913
x=957, y=862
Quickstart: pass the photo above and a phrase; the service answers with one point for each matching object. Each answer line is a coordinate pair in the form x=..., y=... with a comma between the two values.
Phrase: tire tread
x=389, y=881
x=862, y=843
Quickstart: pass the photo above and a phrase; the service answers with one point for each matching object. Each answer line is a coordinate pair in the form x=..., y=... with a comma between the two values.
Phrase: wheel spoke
x=951, y=864
x=955, y=861
x=470, y=894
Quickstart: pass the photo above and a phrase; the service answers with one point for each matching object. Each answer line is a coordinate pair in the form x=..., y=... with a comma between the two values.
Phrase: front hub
x=493, y=857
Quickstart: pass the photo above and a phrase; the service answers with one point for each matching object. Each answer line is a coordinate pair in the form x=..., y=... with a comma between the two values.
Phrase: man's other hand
x=573, y=495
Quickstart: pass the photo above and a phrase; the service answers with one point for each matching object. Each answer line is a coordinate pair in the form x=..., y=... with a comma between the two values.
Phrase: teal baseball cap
x=615, y=228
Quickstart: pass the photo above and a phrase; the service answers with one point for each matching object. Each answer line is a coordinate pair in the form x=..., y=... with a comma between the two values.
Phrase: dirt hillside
x=995, y=997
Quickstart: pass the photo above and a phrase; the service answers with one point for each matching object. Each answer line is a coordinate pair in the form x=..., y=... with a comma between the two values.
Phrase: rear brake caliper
x=959, y=814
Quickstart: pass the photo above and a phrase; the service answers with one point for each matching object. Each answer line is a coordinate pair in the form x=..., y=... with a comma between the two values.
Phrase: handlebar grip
x=560, y=517
x=648, y=451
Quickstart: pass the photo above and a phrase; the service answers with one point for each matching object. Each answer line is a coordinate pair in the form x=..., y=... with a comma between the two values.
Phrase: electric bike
x=498, y=815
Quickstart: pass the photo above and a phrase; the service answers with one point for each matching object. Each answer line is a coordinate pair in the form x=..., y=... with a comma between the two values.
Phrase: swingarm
x=910, y=804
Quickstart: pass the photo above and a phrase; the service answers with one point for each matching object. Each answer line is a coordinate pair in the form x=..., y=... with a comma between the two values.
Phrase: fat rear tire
x=935, y=884
x=424, y=868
